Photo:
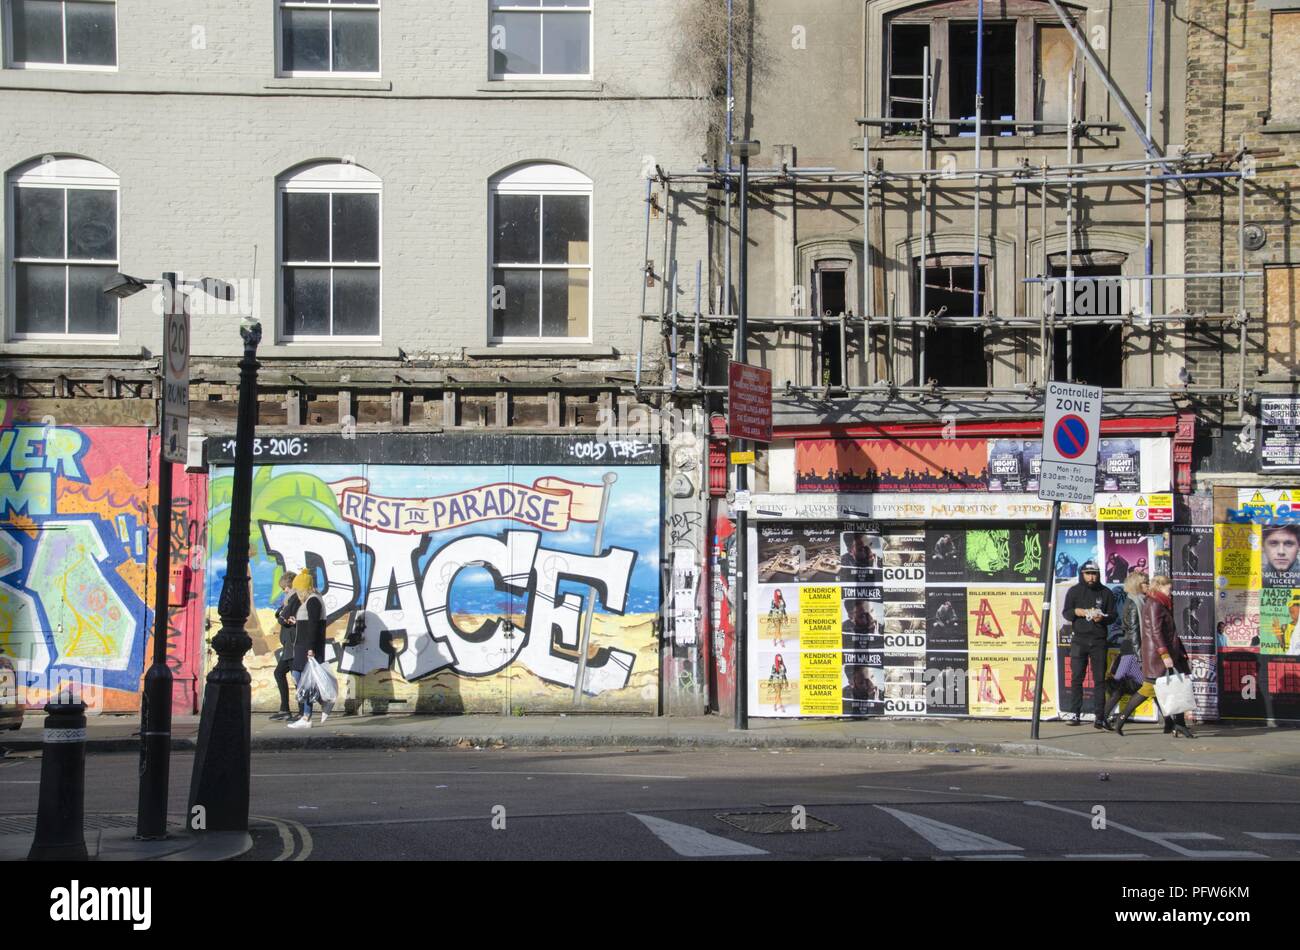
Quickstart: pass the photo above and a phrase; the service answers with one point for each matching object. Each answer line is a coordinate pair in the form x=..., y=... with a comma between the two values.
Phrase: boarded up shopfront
x=905, y=577
x=459, y=574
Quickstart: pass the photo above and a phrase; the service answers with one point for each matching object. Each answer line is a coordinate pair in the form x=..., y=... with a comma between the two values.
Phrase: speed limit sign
x=176, y=380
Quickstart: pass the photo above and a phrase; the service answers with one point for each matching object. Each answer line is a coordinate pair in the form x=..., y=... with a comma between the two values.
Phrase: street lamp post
x=220, y=782
x=156, y=695
x=745, y=151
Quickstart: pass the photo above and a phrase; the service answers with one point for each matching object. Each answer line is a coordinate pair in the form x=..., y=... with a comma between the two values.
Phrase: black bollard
x=60, y=825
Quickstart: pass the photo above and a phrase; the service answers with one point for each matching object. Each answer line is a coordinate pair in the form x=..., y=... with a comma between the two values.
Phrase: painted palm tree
x=297, y=498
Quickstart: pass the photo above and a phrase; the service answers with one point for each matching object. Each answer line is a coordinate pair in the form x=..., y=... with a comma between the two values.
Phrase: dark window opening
x=907, y=45
x=999, y=75
x=1091, y=353
x=831, y=300
x=954, y=356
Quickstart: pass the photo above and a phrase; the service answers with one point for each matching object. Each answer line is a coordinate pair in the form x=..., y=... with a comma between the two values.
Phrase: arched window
x=329, y=226
x=63, y=227
x=541, y=254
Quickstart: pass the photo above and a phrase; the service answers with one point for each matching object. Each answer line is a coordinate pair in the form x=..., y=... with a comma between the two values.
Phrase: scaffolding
x=1155, y=174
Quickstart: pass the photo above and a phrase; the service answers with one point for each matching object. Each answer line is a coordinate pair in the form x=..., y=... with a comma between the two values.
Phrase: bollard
x=60, y=825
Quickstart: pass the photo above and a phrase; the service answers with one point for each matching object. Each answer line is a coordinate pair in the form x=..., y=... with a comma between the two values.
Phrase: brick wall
x=1230, y=64
x=197, y=126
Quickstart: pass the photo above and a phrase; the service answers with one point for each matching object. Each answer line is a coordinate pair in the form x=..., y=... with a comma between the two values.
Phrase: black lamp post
x=156, y=696
x=219, y=785
x=744, y=151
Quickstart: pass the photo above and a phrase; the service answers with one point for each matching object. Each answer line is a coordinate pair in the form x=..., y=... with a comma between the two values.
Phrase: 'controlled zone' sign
x=1071, y=430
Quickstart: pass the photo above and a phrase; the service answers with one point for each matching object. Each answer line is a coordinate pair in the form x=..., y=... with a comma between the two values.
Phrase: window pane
x=306, y=40
x=565, y=3
x=38, y=222
x=566, y=232
x=566, y=48
x=519, y=315
x=516, y=43
x=564, y=305
x=39, y=297
x=38, y=31
x=92, y=34
x=90, y=310
x=356, y=228
x=356, y=42
x=306, y=301
x=306, y=227
x=92, y=225
x=356, y=302
x=516, y=229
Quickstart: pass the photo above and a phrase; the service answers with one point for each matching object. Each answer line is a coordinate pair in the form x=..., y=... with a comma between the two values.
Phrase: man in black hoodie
x=1090, y=609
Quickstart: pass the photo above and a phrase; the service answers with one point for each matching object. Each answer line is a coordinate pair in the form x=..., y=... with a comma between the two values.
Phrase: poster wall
x=1257, y=607
x=461, y=588
x=863, y=619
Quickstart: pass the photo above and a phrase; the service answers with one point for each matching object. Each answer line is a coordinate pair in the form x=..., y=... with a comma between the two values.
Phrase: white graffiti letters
x=424, y=608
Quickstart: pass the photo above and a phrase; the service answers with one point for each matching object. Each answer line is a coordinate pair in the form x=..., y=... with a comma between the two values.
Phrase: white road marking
x=692, y=842
x=528, y=775
x=1272, y=836
x=1155, y=837
x=947, y=837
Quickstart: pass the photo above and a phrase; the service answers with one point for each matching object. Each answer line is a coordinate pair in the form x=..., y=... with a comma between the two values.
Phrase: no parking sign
x=1071, y=428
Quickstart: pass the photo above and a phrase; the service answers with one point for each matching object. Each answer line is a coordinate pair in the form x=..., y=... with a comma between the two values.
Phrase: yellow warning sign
x=742, y=458
x=1258, y=499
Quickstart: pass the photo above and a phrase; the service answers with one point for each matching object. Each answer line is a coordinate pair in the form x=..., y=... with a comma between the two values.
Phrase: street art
x=74, y=553
x=469, y=588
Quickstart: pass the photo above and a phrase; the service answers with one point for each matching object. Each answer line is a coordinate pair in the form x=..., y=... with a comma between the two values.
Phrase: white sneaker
x=323, y=717
x=300, y=724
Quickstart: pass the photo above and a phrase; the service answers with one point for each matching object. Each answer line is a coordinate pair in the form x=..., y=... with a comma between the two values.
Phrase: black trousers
x=282, y=681
x=1081, y=654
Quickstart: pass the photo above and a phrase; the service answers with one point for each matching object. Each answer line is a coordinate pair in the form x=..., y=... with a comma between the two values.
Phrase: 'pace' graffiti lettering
x=424, y=615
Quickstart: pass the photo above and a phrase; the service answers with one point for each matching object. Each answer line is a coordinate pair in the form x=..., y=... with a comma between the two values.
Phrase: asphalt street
x=651, y=804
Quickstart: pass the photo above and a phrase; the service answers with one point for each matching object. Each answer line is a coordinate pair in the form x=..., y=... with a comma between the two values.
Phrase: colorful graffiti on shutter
x=460, y=589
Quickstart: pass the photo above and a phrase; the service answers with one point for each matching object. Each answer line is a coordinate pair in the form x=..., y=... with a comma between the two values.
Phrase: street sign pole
x=1046, y=625
x=156, y=696
x=1071, y=426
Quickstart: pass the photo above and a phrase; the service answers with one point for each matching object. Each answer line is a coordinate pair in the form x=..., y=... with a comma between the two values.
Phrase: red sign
x=749, y=402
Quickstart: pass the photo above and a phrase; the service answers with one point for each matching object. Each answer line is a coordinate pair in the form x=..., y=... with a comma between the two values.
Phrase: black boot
x=1136, y=700
x=1169, y=725
x=1180, y=729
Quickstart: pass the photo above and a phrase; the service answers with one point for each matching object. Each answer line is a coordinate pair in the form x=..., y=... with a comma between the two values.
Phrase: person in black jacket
x=310, y=637
x=1090, y=609
x=285, y=616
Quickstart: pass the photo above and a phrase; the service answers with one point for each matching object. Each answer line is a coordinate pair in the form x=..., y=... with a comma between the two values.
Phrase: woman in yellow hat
x=310, y=640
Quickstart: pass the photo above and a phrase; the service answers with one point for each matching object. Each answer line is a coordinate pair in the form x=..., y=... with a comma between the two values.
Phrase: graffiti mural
x=461, y=588
x=74, y=555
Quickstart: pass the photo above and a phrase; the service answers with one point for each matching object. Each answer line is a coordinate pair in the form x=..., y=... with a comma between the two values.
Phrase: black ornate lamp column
x=219, y=787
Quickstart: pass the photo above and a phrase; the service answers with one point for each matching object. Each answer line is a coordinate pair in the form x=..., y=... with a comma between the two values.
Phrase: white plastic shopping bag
x=1174, y=694
x=326, y=686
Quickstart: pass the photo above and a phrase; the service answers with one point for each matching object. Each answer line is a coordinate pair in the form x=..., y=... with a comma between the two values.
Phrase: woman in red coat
x=1162, y=651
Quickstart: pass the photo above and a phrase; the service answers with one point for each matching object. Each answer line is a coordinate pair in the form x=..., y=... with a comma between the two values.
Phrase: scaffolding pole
x=926, y=112
x=976, y=302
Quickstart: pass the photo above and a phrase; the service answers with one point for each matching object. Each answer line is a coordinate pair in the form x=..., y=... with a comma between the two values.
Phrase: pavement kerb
x=386, y=741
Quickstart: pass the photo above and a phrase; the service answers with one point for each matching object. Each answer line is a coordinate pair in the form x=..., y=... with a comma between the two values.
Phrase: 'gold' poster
x=819, y=683
x=1004, y=618
x=819, y=618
